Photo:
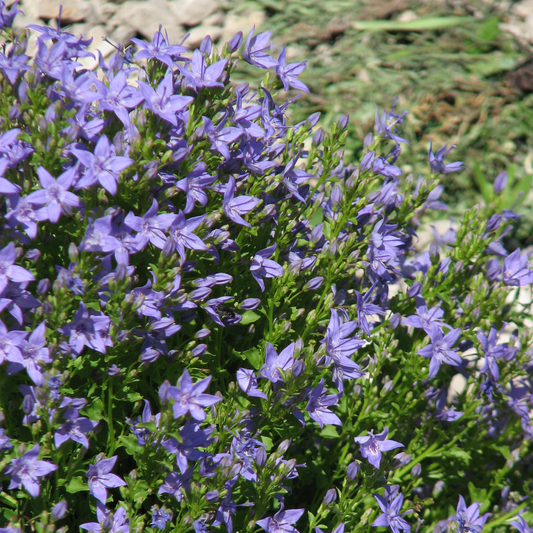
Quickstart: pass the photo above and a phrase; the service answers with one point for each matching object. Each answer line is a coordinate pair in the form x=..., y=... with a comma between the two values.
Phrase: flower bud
x=43, y=286
x=261, y=457
x=500, y=182
x=212, y=495
x=312, y=120
x=318, y=137
x=330, y=497
x=206, y=45
x=415, y=289
x=343, y=121
x=235, y=42
x=494, y=222
x=73, y=253
x=352, y=470
x=59, y=510
x=250, y=303
x=283, y=447
x=416, y=470
x=164, y=394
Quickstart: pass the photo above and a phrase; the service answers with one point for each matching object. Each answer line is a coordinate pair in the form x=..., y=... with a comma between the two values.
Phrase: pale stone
x=146, y=17
x=523, y=9
x=244, y=23
x=73, y=10
x=192, y=12
x=198, y=34
x=407, y=16
x=122, y=34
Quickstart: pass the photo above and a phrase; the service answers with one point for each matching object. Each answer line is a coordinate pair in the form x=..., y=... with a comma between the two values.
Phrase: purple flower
x=119, y=97
x=13, y=64
x=159, y=49
x=425, y=318
x=4, y=441
x=340, y=348
x=192, y=437
x=10, y=271
x=468, y=519
x=220, y=136
x=372, y=445
x=176, y=484
x=108, y=522
x=247, y=381
x=199, y=76
x=74, y=429
x=318, y=404
x=160, y=518
x=54, y=195
x=189, y=398
x=492, y=352
x=254, y=50
x=440, y=350
x=288, y=74
x=163, y=102
x=194, y=184
x=515, y=271
x=103, y=166
x=365, y=309
x=437, y=160
x=30, y=353
x=234, y=208
x=26, y=469
x=262, y=267
x=282, y=521
x=87, y=330
x=22, y=212
x=10, y=342
x=100, y=478
x=521, y=525
x=7, y=17
x=274, y=362
x=150, y=227
x=391, y=514
x=182, y=236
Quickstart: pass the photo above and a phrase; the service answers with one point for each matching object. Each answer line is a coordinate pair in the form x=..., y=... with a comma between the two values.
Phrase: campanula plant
x=211, y=320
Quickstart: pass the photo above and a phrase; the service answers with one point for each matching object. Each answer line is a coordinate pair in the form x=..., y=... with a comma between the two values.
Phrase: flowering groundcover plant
x=210, y=321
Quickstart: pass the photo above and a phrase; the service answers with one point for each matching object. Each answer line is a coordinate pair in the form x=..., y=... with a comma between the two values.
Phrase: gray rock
x=73, y=10
x=146, y=17
x=198, y=34
x=192, y=12
x=242, y=22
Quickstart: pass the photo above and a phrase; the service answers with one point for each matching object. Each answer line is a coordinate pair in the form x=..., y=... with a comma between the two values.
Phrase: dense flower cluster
x=210, y=320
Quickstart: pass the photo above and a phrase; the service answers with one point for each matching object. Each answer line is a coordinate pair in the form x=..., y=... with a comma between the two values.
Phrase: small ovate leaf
x=254, y=357
x=267, y=441
x=249, y=317
x=77, y=484
x=131, y=444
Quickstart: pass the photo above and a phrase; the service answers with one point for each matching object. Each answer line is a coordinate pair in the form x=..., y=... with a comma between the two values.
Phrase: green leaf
x=76, y=484
x=134, y=397
x=478, y=495
x=424, y=24
x=254, y=357
x=8, y=500
x=131, y=444
x=95, y=306
x=459, y=454
x=249, y=317
x=489, y=29
x=95, y=411
x=329, y=432
x=267, y=441
x=316, y=218
x=150, y=426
